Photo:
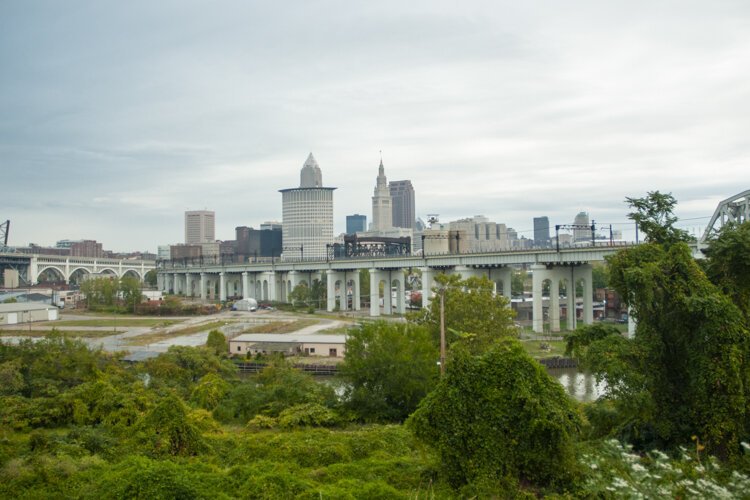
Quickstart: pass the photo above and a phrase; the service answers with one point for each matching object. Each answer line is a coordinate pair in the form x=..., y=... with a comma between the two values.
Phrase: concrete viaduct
x=275, y=281
x=31, y=266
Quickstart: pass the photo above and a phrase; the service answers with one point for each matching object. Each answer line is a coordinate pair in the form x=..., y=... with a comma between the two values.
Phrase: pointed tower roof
x=310, y=161
x=310, y=176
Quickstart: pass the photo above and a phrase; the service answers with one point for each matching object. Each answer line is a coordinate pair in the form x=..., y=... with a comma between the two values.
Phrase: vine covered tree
x=685, y=372
x=499, y=418
x=728, y=264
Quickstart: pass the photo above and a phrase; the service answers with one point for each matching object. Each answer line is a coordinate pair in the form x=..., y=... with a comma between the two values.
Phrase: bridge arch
x=133, y=273
x=50, y=270
x=76, y=275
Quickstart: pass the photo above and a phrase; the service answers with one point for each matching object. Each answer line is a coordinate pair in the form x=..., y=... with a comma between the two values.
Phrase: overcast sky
x=116, y=117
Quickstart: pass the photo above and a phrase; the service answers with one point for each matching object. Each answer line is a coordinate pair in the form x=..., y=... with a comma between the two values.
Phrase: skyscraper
x=356, y=223
x=402, y=198
x=199, y=227
x=307, y=215
x=541, y=231
x=583, y=231
x=382, y=214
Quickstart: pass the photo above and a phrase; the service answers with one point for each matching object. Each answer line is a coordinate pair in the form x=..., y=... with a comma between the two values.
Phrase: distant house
x=288, y=344
x=26, y=312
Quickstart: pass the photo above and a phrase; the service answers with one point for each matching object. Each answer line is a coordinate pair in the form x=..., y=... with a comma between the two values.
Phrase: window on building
x=312, y=350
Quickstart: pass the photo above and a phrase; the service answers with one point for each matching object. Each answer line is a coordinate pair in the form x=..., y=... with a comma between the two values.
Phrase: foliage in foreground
x=390, y=368
x=686, y=371
x=500, y=417
x=614, y=471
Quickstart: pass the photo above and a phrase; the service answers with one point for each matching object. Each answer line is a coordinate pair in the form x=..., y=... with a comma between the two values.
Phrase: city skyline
x=118, y=118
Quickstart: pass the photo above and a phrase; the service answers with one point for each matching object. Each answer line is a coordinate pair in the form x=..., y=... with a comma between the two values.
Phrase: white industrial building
x=333, y=346
x=26, y=312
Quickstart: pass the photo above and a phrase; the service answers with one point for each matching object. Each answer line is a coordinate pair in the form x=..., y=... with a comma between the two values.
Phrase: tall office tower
x=356, y=223
x=382, y=213
x=307, y=215
x=199, y=227
x=584, y=233
x=541, y=231
x=402, y=197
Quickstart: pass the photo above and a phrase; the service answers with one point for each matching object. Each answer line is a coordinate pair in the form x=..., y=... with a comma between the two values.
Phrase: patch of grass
x=151, y=338
x=281, y=326
x=339, y=330
x=65, y=333
x=536, y=349
x=110, y=322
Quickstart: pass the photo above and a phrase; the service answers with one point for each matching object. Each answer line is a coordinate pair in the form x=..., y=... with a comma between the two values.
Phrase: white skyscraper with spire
x=307, y=211
x=382, y=211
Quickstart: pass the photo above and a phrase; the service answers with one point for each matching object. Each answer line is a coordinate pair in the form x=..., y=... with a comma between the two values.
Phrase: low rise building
x=26, y=312
x=333, y=346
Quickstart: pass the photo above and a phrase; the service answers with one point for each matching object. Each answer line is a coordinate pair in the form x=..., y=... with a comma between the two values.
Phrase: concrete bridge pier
x=539, y=274
x=502, y=275
x=374, y=292
x=584, y=272
x=356, y=291
x=400, y=292
x=554, y=302
x=333, y=277
x=428, y=277
x=203, y=286
x=222, y=287
x=245, y=286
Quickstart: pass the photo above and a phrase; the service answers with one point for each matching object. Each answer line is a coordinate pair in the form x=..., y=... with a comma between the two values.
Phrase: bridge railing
x=197, y=262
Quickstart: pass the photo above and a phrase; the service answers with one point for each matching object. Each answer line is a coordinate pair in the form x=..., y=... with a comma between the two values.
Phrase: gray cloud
x=117, y=117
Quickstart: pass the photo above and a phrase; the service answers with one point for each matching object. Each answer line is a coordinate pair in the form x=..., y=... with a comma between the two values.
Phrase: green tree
x=130, y=291
x=518, y=282
x=209, y=390
x=100, y=292
x=389, y=368
x=217, y=343
x=685, y=372
x=181, y=367
x=319, y=293
x=692, y=346
x=728, y=264
x=150, y=278
x=599, y=276
x=654, y=215
x=473, y=312
x=499, y=417
x=300, y=295
x=169, y=429
x=277, y=387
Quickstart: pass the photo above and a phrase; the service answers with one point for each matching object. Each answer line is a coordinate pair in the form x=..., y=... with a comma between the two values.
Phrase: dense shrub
x=500, y=417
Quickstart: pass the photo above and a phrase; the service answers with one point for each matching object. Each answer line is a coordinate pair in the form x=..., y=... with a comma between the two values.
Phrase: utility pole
x=442, y=332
